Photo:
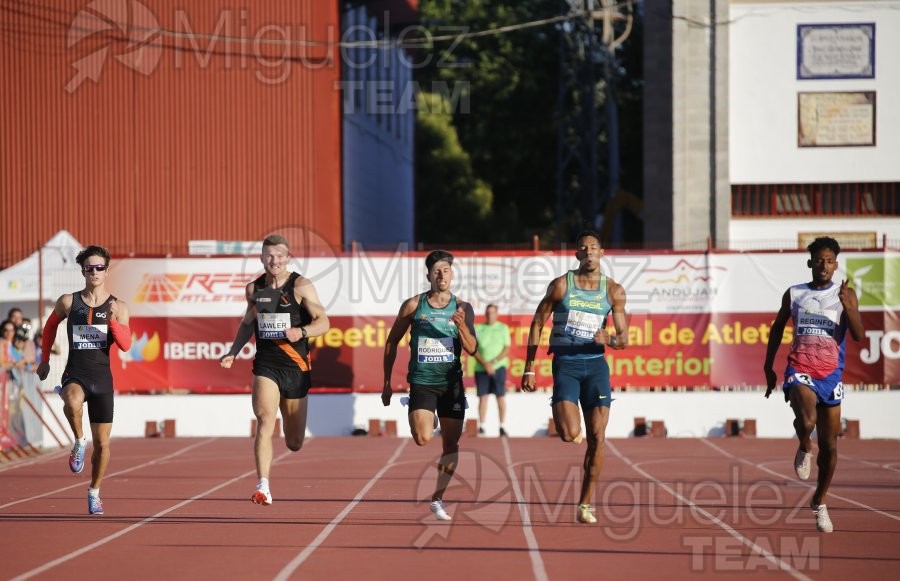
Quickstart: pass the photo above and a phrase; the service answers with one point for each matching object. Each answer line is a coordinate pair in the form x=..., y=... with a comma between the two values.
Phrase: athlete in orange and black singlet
x=283, y=312
x=96, y=320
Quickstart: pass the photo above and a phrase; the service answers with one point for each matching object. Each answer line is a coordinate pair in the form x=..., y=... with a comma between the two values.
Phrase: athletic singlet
x=434, y=345
x=89, y=338
x=576, y=318
x=272, y=322
x=818, y=345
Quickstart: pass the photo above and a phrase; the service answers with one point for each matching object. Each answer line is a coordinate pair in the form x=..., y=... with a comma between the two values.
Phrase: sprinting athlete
x=442, y=326
x=95, y=320
x=580, y=302
x=283, y=312
x=822, y=313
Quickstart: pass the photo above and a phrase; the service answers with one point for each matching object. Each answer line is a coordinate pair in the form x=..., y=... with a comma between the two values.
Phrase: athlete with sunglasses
x=95, y=320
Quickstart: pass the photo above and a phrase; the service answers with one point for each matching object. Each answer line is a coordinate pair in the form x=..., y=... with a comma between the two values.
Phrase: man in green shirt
x=491, y=362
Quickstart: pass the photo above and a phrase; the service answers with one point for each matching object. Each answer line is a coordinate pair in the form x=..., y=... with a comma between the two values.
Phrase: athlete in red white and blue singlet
x=823, y=312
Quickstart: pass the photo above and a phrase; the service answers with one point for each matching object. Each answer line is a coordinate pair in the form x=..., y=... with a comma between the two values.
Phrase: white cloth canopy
x=20, y=283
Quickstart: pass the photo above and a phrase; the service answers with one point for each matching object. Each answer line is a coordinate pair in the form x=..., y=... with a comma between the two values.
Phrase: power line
x=424, y=42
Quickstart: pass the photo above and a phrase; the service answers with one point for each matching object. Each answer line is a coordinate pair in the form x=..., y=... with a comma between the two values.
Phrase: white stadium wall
x=764, y=92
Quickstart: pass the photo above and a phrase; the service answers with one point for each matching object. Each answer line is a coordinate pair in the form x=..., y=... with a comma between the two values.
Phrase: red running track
x=355, y=508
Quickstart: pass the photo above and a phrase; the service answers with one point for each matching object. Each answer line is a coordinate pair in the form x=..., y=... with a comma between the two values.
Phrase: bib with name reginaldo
x=89, y=336
x=582, y=325
x=273, y=325
x=435, y=350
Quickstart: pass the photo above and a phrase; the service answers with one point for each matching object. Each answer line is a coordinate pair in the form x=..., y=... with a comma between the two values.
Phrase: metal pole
x=46, y=425
x=55, y=417
x=41, y=284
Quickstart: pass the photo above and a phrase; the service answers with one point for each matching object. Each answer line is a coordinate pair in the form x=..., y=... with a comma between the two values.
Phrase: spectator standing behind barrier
x=16, y=316
x=21, y=356
x=491, y=363
x=822, y=313
x=22, y=353
x=7, y=333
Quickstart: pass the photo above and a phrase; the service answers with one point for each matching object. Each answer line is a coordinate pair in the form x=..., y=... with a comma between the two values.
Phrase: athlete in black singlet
x=283, y=311
x=95, y=320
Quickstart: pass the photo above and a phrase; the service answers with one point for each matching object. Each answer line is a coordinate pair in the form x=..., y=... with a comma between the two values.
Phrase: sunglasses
x=94, y=268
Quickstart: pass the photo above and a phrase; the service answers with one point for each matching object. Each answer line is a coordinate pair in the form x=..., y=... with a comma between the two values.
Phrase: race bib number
x=803, y=378
x=582, y=325
x=435, y=350
x=838, y=393
x=273, y=325
x=89, y=336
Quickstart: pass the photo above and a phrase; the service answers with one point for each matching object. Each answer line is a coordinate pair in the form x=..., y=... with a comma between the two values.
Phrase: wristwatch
x=613, y=340
x=303, y=332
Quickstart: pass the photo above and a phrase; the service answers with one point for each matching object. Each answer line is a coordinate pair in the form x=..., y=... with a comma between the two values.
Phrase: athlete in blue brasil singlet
x=822, y=313
x=283, y=312
x=95, y=320
x=442, y=326
x=580, y=302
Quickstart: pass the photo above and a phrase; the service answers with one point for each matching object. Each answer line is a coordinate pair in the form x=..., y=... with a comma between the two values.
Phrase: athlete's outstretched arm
x=556, y=290
x=776, y=334
x=59, y=313
x=244, y=331
x=398, y=330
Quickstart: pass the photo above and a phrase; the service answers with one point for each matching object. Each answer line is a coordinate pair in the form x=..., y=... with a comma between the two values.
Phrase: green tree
x=452, y=205
x=509, y=126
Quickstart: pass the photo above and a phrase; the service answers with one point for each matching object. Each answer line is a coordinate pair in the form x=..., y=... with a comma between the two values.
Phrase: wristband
x=528, y=373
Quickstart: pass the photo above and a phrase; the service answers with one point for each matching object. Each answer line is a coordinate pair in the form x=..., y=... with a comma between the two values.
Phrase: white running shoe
x=823, y=521
x=261, y=496
x=586, y=514
x=437, y=507
x=803, y=464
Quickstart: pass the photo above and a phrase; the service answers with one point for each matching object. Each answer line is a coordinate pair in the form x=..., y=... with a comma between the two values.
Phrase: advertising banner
x=695, y=320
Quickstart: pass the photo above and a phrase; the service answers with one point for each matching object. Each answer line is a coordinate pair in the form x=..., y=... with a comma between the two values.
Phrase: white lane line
x=889, y=467
x=534, y=551
x=43, y=458
x=111, y=475
x=289, y=569
x=801, y=483
x=78, y=552
x=755, y=549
